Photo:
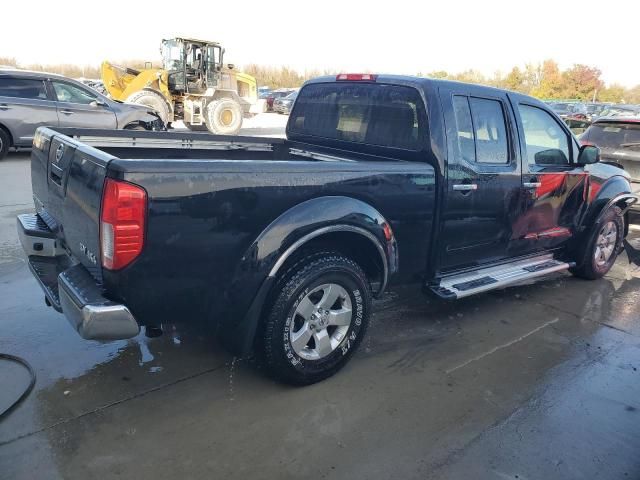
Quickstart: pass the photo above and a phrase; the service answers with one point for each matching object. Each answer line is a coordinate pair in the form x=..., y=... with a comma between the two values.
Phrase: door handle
x=465, y=187
x=66, y=112
x=4, y=107
x=532, y=184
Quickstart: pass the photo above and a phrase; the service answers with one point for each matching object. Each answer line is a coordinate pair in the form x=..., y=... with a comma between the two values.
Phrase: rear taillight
x=356, y=77
x=124, y=208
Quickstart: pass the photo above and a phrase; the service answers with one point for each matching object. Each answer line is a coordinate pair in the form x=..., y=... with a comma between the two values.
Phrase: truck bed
x=210, y=200
x=135, y=144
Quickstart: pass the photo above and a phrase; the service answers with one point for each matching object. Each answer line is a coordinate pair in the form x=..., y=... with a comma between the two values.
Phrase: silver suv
x=29, y=100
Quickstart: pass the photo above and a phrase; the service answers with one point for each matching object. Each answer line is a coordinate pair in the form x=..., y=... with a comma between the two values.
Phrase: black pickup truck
x=283, y=243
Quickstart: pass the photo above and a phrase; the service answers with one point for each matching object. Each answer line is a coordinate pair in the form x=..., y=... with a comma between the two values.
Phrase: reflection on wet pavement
x=534, y=381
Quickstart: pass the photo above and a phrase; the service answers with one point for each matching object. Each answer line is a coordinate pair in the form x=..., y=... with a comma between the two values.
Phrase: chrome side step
x=484, y=279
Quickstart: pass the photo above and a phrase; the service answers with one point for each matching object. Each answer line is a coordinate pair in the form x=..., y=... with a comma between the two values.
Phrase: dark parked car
x=576, y=117
x=29, y=100
x=274, y=95
x=284, y=104
x=619, y=141
x=563, y=109
x=594, y=110
x=582, y=114
x=283, y=243
x=621, y=111
x=97, y=85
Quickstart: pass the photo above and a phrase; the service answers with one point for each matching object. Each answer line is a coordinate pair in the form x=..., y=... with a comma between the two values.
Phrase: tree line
x=543, y=80
x=72, y=70
x=547, y=81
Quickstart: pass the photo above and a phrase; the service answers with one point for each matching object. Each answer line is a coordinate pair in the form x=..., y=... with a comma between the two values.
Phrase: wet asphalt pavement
x=531, y=382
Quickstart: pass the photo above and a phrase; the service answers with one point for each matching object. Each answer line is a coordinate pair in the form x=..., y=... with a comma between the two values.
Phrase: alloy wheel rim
x=605, y=243
x=321, y=321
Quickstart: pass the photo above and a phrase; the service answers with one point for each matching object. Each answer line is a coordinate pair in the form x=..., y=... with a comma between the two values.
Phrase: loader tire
x=154, y=101
x=224, y=116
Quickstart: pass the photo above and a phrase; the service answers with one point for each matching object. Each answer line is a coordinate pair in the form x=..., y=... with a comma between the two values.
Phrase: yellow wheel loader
x=193, y=86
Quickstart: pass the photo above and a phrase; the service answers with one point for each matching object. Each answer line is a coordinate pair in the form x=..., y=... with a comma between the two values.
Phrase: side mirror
x=98, y=103
x=588, y=155
x=551, y=156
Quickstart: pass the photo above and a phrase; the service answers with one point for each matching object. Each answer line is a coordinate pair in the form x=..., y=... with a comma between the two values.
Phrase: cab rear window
x=375, y=114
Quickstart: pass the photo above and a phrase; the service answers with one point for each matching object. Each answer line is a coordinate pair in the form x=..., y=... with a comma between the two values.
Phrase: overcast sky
x=395, y=36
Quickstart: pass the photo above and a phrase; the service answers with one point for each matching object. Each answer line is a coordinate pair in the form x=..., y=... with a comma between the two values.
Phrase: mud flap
x=632, y=253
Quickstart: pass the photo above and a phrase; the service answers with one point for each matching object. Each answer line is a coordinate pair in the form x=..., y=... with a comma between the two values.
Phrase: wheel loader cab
x=173, y=62
x=192, y=66
x=192, y=87
x=213, y=64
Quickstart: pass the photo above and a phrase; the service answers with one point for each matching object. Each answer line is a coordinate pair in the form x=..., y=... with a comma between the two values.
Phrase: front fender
x=286, y=235
x=604, y=193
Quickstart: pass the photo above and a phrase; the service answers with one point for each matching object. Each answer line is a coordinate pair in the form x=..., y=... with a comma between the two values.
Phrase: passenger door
x=25, y=106
x=78, y=107
x=482, y=178
x=553, y=186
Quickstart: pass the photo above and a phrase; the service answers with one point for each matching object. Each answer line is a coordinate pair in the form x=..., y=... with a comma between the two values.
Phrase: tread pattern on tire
x=289, y=282
x=212, y=125
x=584, y=261
x=164, y=115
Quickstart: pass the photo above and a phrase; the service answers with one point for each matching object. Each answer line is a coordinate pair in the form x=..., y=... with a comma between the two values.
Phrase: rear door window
x=490, y=131
x=367, y=113
x=614, y=135
x=481, y=130
x=22, y=88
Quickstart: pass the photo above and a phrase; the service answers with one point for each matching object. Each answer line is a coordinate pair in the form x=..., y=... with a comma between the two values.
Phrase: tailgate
x=67, y=179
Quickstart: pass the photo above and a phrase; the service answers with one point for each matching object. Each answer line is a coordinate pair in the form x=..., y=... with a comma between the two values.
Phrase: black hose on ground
x=25, y=394
x=632, y=253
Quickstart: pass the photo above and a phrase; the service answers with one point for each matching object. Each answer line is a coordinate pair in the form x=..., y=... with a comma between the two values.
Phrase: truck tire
x=318, y=316
x=224, y=116
x=603, y=243
x=5, y=143
x=154, y=101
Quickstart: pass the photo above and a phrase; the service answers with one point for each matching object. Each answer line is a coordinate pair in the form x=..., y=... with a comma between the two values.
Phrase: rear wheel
x=224, y=117
x=317, y=319
x=602, y=247
x=5, y=143
x=154, y=100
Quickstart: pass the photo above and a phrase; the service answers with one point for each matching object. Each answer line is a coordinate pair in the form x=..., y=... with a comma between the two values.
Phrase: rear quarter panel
x=204, y=217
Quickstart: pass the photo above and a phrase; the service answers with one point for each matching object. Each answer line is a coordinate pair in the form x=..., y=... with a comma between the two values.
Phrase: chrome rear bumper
x=70, y=288
x=93, y=316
